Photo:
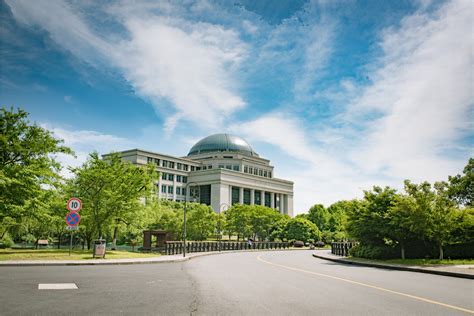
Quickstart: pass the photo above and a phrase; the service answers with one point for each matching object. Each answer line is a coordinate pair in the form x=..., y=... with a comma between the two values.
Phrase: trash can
x=99, y=248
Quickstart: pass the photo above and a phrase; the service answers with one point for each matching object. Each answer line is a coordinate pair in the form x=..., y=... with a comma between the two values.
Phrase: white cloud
x=423, y=93
x=167, y=60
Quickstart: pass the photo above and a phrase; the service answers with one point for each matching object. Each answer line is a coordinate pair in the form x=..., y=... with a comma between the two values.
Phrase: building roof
x=222, y=143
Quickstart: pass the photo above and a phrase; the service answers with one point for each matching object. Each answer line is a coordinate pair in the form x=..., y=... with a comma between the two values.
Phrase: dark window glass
x=192, y=168
x=198, y=168
x=178, y=190
x=170, y=189
x=179, y=166
x=205, y=194
x=264, y=173
x=178, y=178
x=255, y=171
x=209, y=167
x=171, y=177
x=185, y=167
x=267, y=199
x=163, y=176
x=250, y=170
x=221, y=166
x=235, y=195
x=247, y=196
x=228, y=167
x=236, y=167
x=269, y=174
x=157, y=161
x=260, y=172
x=171, y=164
x=185, y=179
x=163, y=188
x=183, y=191
x=246, y=169
x=258, y=198
x=149, y=159
x=165, y=163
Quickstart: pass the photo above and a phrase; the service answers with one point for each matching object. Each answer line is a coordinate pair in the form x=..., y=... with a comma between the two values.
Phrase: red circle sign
x=74, y=204
x=73, y=219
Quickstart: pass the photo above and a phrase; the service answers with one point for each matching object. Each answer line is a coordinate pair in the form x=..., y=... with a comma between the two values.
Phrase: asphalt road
x=257, y=283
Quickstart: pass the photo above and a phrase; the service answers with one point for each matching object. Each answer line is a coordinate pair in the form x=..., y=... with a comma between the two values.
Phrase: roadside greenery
x=120, y=201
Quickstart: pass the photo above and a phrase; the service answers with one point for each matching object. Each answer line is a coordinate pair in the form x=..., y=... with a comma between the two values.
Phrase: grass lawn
x=63, y=254
x=419, y=262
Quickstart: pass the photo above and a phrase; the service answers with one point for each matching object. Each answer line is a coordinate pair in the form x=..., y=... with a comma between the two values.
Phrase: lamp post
x=224, y=207
x=184, y=215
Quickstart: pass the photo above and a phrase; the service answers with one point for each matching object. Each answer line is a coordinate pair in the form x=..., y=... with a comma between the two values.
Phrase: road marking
x=368, y=285
x=57, y=286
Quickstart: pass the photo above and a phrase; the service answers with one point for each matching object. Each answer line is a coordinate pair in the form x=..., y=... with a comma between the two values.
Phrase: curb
x=401, y=268
x=138, y=261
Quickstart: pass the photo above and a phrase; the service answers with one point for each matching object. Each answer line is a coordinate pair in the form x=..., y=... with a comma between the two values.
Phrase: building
x=220, y=170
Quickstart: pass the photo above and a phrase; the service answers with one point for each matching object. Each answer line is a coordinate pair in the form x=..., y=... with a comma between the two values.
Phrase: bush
x=6, y=242
x=298, y=244
x=460, y=251
x=374, y=252
x=320, y=244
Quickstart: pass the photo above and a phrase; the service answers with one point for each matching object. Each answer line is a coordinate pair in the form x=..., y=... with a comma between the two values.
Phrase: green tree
x=27, y=166
x=111, y=190
x=201, y=221
x=238, y=220
x=319, y=215
x=302, y=229
x=461, y=187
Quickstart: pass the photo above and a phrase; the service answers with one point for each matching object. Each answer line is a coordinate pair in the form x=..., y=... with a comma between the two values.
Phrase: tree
x=302, y=229
x=111, y=190
x=402, y=222
x=319, y=215
x=201, y=221
x=461, y=187
x=27, y=166
x=238, y=220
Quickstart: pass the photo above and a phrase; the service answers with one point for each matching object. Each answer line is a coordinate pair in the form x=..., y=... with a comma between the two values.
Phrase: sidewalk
x=459, y=271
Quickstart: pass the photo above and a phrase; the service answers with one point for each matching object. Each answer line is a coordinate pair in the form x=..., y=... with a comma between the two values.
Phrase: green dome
x=220, y=143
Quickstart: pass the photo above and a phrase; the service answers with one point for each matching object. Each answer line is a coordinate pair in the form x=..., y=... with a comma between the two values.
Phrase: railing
x=176, y=247
x=342, y=248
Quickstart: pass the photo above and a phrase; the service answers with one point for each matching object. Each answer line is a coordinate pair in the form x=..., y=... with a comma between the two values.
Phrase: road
x=256, y=283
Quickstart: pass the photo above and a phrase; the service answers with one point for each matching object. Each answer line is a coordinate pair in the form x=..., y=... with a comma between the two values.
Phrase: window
x=269, y=174
x=170, y=189
x=258, y=198
x=221, y=166
x=236, y=167
x=235, y=195
x=247, y=196
x=204, y=167
x=179, y=166
x=185, y=179
x=255, y=171
x=192, y=168
x=198, y=168
x=165, y=163
x=209, y=167
x=171, y=177
x=178, y=190
x=149, y=160
x=246, y=169
x=157, y=161
x=228, y=167
x=228, y=157
x=185, y=167
x=163, y=176
x=265, y=173
x=171, y=164
x=250, y=170
x=260, y=172
x=178, y=178
x=183, y=191
x=163, y=188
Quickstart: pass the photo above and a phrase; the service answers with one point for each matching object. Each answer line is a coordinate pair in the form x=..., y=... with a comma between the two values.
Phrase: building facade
x=220, y=170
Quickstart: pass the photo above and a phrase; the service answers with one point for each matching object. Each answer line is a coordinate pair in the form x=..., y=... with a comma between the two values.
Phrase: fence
x=176, y=247
x=342, y=248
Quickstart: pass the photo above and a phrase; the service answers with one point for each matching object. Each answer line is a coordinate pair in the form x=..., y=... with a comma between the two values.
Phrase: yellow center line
x=259, y=258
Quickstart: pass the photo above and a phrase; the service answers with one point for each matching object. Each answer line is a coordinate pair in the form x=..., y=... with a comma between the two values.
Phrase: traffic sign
x=72, y=227
x=74, y=204
x=73, y=219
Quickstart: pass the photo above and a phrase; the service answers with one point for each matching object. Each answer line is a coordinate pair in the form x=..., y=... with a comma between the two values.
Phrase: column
x=252, y=196
x=174, y=188
x=160, y=183
x=281, y=204
x=262, y=198
x=272, y=200
x=241, y=195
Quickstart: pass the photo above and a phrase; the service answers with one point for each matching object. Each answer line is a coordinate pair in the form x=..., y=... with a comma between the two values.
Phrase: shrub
x=374, y=252
x=298, y=244
x=6, y=242
x=320, y=244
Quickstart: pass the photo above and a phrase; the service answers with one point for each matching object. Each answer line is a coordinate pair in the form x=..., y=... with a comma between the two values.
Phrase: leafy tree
x=201, y=221
x=461, y=187
x=402, y=222
x=368, y=221
x=302, y=229
x=27, y=166
x=319, y=215
x=238, y=220
x=111, y=190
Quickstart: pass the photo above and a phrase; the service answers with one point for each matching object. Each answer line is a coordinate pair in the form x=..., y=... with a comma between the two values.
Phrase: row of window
x=169, y=189
x=257, y=172
x=170, y=177
x=170, y=164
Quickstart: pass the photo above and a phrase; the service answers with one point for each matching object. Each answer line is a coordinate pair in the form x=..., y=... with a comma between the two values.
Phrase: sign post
x=73, y=218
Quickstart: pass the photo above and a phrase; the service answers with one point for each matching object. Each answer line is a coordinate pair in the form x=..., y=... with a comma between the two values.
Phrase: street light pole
x=184, y=215
x=224, y=207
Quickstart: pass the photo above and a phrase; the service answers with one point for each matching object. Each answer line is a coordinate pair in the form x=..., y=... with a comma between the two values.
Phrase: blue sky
x=339, y=95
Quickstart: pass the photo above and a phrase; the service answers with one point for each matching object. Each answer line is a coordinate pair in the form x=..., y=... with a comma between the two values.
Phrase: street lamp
x=184, y=215
x=224, y=207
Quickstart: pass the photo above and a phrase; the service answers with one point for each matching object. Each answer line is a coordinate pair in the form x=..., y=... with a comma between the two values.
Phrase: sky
x=339, y=95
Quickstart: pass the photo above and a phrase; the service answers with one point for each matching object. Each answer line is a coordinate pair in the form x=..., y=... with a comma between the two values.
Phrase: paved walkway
x=461, y=271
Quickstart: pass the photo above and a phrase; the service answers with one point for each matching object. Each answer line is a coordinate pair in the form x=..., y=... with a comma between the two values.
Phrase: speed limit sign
x=74, y=204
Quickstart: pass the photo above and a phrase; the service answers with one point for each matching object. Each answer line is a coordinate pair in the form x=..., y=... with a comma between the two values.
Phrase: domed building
x=220, y=170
